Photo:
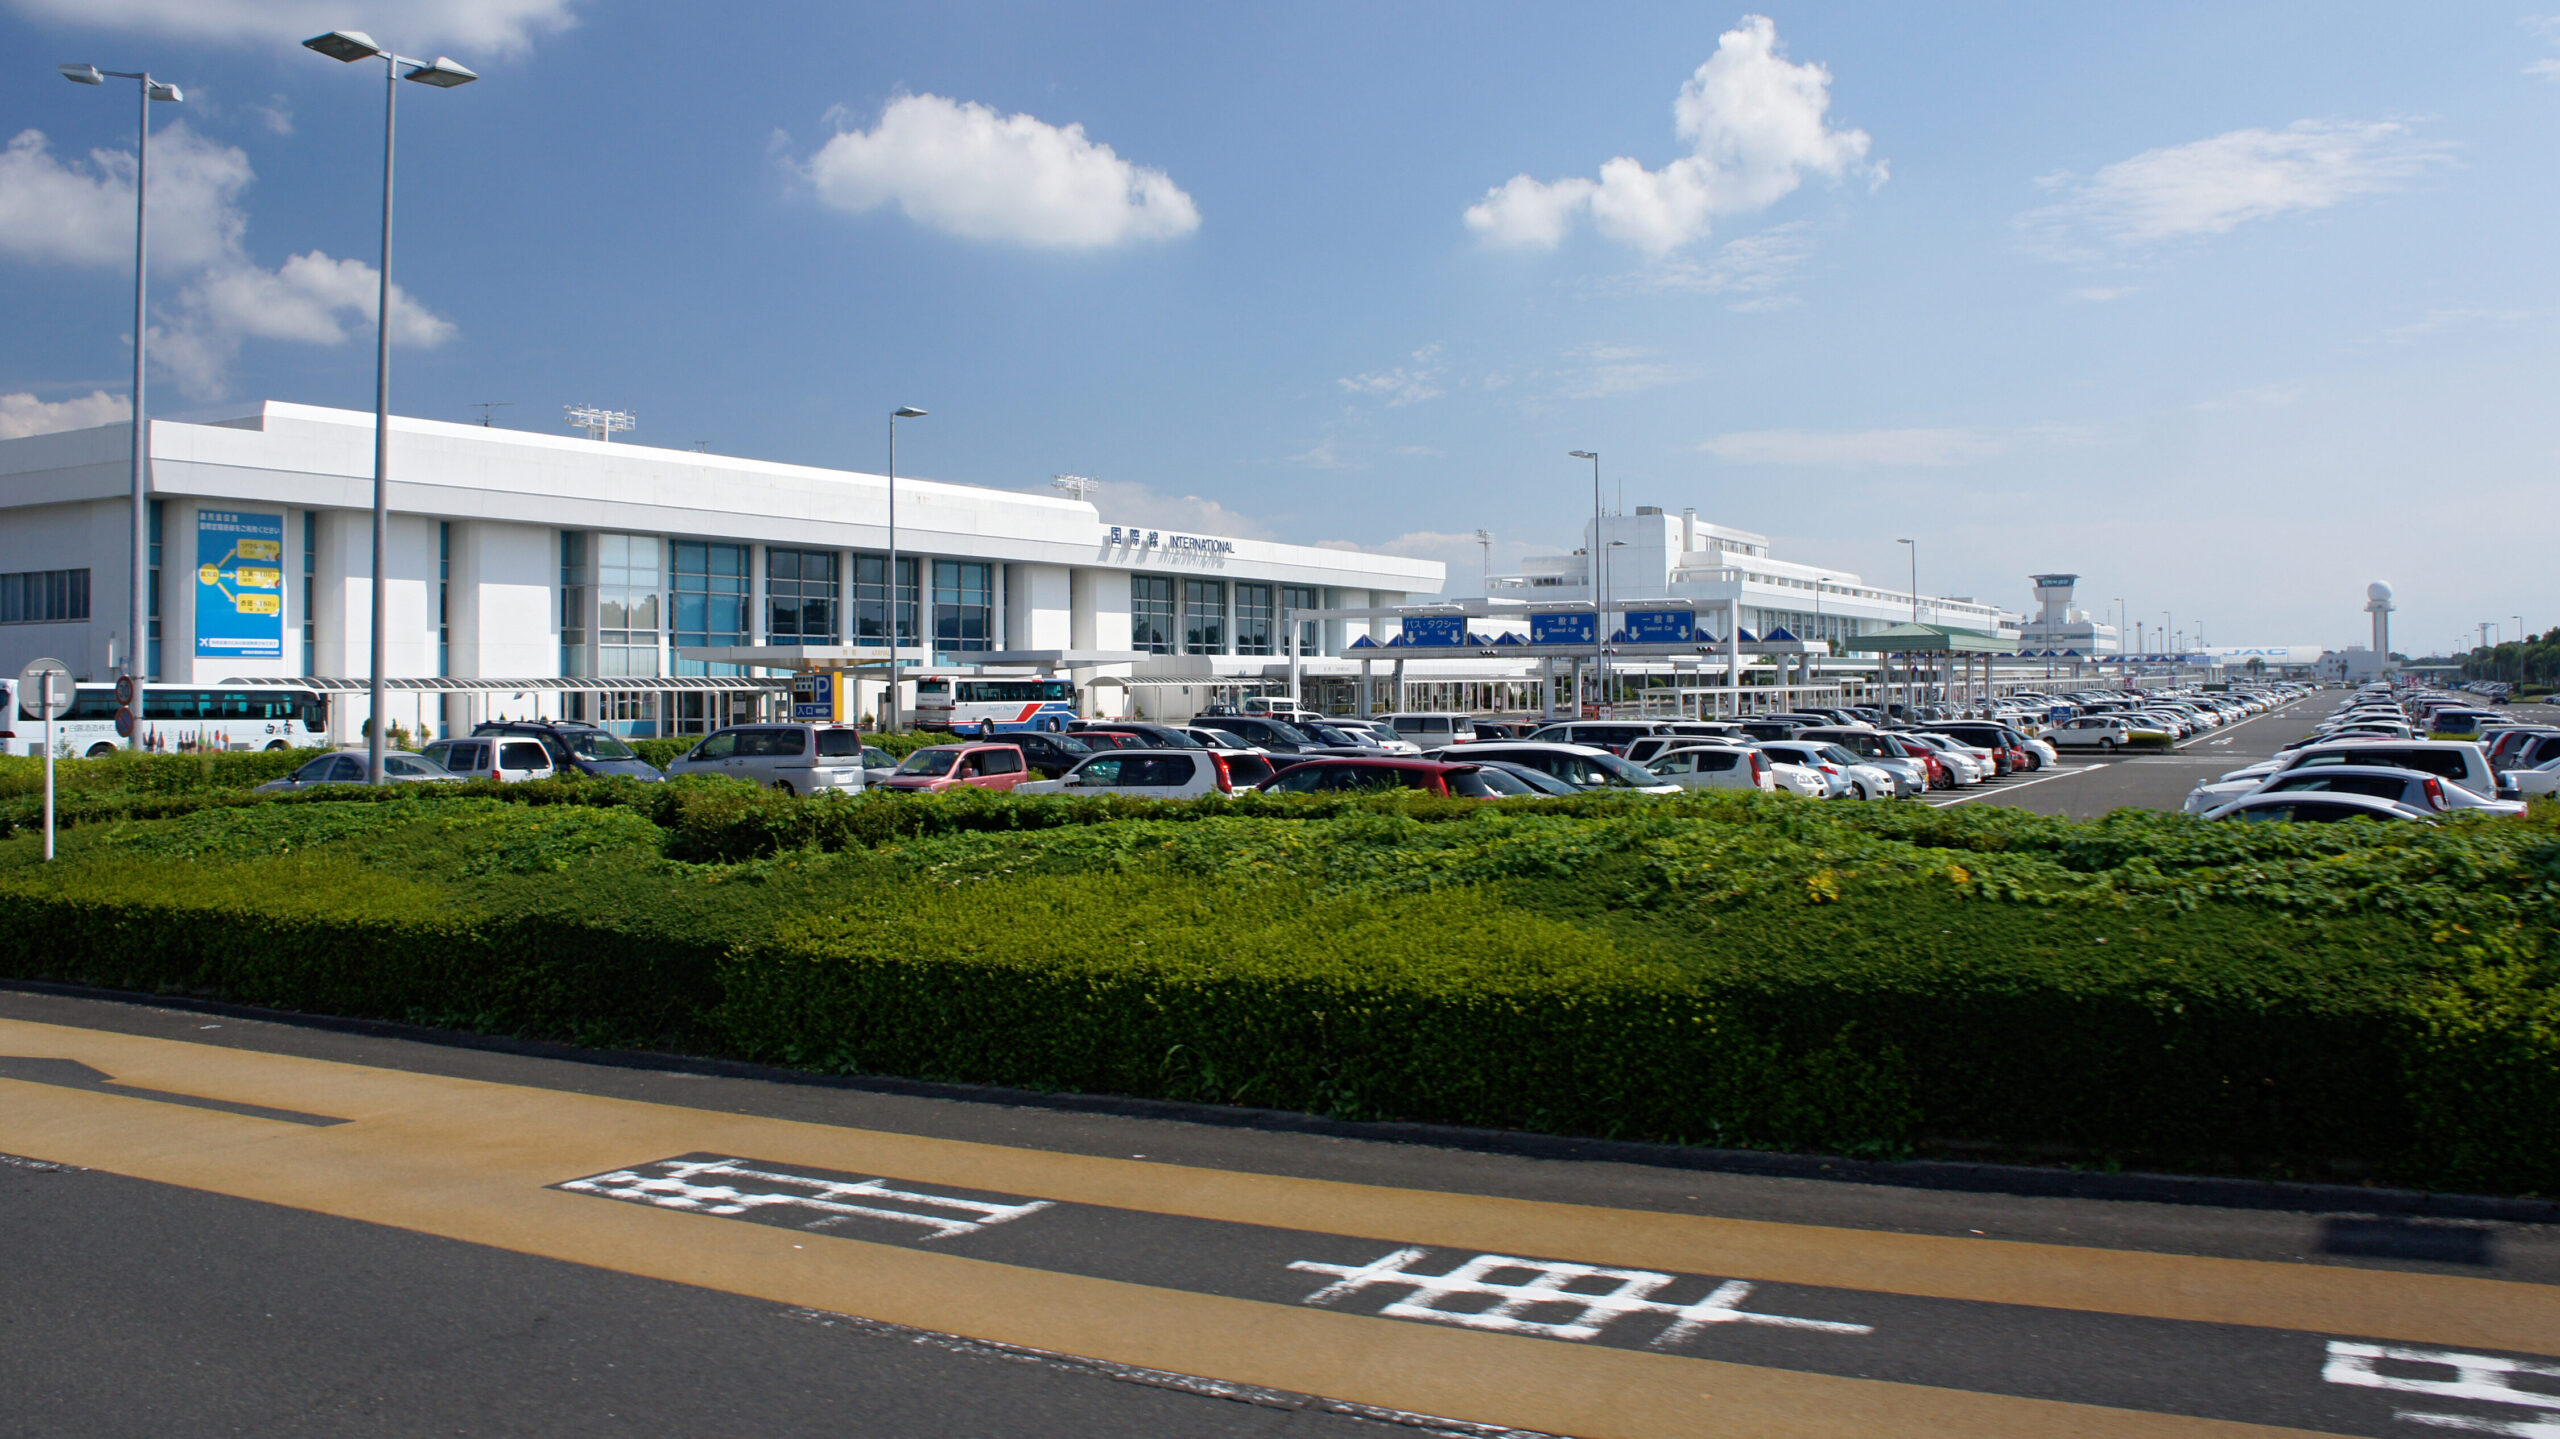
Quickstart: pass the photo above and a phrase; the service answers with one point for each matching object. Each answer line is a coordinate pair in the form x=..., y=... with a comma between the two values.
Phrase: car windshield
x=1837, y=755
x=594, y=744
x=1486, y=782
x=930, y=761
x=1615, y=771
x=413, y=766
x=1287, y=733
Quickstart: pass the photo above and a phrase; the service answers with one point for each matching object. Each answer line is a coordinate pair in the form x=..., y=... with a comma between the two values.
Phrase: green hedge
x=1716, y=969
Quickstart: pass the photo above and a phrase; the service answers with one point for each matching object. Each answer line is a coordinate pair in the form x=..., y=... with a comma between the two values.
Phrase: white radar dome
x=2379, y=591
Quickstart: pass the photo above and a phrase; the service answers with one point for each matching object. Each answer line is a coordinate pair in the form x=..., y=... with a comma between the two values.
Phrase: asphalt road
x=218, y=1224
x=2085, y=786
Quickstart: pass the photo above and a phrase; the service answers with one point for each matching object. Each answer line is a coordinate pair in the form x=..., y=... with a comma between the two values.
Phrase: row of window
x=1194, y=616
x=36, y=597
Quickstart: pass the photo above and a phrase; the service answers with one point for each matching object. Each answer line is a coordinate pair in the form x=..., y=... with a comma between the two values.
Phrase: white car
x=1851, y=777
x=1143, y=774
x=1715, y=766
x=2316, y=808
x=1386, y=738
x=496, y=757
x=2542, y=779
x=2457, y=762
x=1963, y=766
x=2423, y=792
x=793, y=758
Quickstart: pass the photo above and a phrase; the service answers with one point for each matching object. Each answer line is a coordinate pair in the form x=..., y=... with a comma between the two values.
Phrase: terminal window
x=800, y=597
x=1310, y=632
x=629, y=573
x=1253, y=619
x=1204, y=617
x=40, y=597
x=710, y=598
x=964, y=606
x=1151, y=613
x=871, y=599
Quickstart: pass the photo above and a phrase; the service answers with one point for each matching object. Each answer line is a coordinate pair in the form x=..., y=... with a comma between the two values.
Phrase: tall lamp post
x=889, y=707
x=137, y=651
x=351, y=46
x=1599, y=580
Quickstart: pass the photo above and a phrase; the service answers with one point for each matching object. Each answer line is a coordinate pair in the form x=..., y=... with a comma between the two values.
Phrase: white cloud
x=962, y=168
x=1322, y=457
x=500, y=26
x=2547, y=69
x=1401, y=385
x=1860, y=449
x=1123, y=502
x=1462, y=553
x=23, y=414
x=2214, y=186
x=1755, y=268
x=1602, y=372
x=82, y=214
x=1756, y=126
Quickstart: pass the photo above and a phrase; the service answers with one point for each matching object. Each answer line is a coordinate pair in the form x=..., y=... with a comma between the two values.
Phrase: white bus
x=175, y=719
x=984, y=707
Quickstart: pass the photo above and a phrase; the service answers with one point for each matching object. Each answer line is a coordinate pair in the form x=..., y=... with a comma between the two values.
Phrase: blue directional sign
x=239, y=585
x=1435, y=631
x=1658, y=627
x=1564, y=629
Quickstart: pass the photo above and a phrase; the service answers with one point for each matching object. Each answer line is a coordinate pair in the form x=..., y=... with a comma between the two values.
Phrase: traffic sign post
x=50, y=682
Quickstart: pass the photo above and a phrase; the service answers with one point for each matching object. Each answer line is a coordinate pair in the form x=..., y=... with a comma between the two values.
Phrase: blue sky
x=2229, y=308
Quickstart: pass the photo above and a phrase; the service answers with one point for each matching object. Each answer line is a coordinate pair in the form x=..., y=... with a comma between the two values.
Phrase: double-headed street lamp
x=444, y=74
x=1599, y=583
x=137, y=650
x=889, y=707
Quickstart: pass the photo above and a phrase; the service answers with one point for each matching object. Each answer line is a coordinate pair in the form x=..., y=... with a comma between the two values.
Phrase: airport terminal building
x=533, y=574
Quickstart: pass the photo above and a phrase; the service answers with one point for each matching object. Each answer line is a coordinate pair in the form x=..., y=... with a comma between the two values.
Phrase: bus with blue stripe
x=967, y=705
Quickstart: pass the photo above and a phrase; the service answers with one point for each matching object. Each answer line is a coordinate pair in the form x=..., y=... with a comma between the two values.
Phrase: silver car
x=349, y=768
x=793, y=758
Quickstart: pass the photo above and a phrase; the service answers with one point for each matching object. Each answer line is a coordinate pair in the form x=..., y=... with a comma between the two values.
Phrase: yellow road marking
x=470, y=1160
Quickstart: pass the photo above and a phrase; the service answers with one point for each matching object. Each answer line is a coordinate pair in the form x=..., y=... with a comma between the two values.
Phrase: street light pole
x=350, y=46
x=137, y=652
x=889, y=707
x=1599, y=580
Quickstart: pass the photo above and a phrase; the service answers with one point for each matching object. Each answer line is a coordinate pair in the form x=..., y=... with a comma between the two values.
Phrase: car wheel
x=100, y=750
x=2106, y=746
x=275, y=745
x=784, y=786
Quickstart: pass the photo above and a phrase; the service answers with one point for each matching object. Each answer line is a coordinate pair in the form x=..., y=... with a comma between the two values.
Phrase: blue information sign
x=813, y=697
x=1659, y=627
x=1435, y=631
x=239, y=585
x=1564, y=629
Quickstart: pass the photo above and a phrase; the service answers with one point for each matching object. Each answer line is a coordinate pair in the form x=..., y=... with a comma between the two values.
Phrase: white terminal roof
x=309, y=457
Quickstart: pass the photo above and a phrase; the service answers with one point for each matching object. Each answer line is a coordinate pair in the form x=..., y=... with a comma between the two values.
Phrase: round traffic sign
x=125, y=688
x=31, y=681
x=124, y=724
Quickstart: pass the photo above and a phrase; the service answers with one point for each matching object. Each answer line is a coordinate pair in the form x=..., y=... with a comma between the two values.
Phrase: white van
x=505, y=758
x=1428, y=731
x=793, y=758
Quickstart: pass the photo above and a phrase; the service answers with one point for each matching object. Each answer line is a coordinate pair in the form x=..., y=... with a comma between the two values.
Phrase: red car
x=1434, y=777
x=936, y=768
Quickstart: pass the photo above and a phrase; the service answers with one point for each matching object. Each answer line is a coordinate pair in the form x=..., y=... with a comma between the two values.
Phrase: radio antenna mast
x=600, y=424
x=1075, y=486
x=485, y=406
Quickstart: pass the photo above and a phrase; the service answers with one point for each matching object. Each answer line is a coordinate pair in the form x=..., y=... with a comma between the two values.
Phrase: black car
x=577, y=748
x=1278, y=738
x=1153, y=736
x=1051, y=754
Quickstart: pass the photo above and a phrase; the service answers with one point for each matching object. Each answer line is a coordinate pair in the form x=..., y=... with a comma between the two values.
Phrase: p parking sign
x=813, y=697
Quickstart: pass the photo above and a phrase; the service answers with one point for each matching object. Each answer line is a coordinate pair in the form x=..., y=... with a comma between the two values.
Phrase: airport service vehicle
x=2316, y=809
x=1428, y=730
x=507, y=761
x=936, y=768
x=1143, y=774
x=971, y=706
x=1587, y=767
x=793, y=758
x=348, y=767
x=576, y=747
x=1435, y=777
x=175, y=718
x=1714, y=766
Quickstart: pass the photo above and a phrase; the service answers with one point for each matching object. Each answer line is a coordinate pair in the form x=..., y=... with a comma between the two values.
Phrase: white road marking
x=1547, y=1286
x=1985, y=791
x=672, y=1185
x=2480, y=1378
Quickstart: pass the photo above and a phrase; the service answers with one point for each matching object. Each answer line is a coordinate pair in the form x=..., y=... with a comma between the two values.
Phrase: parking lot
x=2085, y=786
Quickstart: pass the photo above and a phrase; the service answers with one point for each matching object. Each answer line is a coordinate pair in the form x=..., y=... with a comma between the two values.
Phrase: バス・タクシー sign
x=1435, y=631
x=239, y=585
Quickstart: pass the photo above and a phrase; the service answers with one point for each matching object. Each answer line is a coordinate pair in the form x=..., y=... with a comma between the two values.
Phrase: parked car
x=936, y=768
x=1436, y=777
x=2542, y=779
x=1851, y=778
x=577, y=748
x=793, y=758
x=1612, y=735
x=1050, y=755
x=494, y=758
x=1714, y=766
x=1369, y=730
x=1647, y=748
x=348, y=767
x=1874, y=747
x=1536, y=779
x=1153, y=736
x=1964, y=765
x=2316, y=809
x=1143, y=773
x=2005, y=745
x=1584, y=766
x=2455, y=761
x=1274, y=737
x=2108, y=733
x=1428, y=730
x=2401, y=786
